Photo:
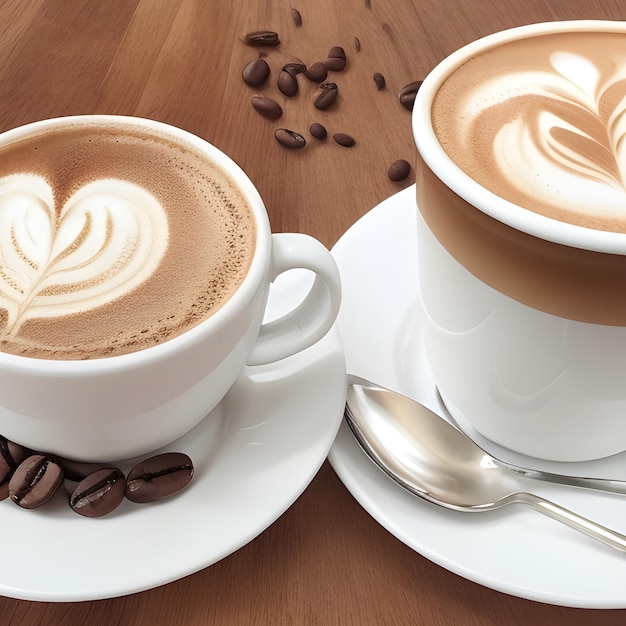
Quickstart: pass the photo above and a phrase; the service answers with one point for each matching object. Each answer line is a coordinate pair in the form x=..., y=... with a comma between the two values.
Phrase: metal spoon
x=434, y=460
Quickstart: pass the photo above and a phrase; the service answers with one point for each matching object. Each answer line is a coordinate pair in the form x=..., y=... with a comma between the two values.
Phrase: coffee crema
x=540, y=122
x=113, y=238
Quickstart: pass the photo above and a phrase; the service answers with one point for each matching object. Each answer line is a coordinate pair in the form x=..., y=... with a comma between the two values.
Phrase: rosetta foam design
x=108, y=238
x=545, y=121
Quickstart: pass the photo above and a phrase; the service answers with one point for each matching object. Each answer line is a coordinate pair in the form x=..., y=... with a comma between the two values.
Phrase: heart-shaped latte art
x=108, y=238
x=564, y=145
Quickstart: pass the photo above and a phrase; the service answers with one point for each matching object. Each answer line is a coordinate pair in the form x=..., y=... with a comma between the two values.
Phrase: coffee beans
x=344, y=140
x=256, y=73
x=32, y=479
x=336, y=60
x=159, y=477
x=11, y=455
x=262, y=38
x=316, y=72
x=379, y=79
x=267, y=107
x=289, y=138
x=327, y=97
x=297, y=17
x=294, y=67
x=318, y=131
x=399, y=170
x=99, y=494
x=288, y=83
x=408, y=94
x=35, y=480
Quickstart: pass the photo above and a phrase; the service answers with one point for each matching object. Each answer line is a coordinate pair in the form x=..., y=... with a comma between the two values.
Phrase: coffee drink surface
x=541, y=122
x=113, y=239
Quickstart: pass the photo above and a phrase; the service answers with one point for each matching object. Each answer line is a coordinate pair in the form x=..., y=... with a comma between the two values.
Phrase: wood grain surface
x=325, y=561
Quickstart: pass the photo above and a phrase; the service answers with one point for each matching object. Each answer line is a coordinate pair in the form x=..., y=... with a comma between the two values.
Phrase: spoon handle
x=600, y=533
x=597, y=484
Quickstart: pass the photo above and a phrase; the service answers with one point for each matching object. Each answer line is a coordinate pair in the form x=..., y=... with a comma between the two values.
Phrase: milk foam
x=114, y=239
x=542, y=122
x=108, y=238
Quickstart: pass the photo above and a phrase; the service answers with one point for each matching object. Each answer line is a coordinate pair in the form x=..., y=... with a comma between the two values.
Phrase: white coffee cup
x=524, y=316
x=105, y=409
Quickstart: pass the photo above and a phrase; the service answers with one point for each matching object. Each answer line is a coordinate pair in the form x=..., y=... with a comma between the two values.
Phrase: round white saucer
x=254, y=455
x=514, y=550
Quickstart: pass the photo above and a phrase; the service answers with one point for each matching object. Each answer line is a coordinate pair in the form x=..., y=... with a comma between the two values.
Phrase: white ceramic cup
x=112, y=408
x=524, y=316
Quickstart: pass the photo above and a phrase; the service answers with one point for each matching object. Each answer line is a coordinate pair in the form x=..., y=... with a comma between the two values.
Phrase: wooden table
x=325, y=561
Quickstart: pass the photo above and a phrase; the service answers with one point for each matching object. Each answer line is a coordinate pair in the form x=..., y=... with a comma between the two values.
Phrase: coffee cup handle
x=308, y=322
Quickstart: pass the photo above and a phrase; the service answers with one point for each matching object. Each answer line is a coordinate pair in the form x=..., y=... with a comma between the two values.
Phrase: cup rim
x=504, y=211
x=245, y=292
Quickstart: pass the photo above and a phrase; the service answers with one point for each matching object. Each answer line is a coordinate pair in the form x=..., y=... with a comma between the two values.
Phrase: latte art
x=107, y=239
x=114, y=238
x=541, y=122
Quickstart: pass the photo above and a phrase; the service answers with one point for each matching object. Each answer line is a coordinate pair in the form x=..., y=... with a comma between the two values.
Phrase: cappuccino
x=540, y=122
x=521, y=245
x=535, y=122
x=113, y=239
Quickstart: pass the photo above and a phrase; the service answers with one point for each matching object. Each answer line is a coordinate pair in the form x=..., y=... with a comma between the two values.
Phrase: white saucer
x=254, y=455
x=514, y=550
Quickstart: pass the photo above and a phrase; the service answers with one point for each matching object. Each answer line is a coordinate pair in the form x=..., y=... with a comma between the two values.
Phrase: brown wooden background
x=325, y=561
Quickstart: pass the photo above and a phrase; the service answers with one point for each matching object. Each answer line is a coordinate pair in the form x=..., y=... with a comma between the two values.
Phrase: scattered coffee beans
x=297, y=17
x=294, y=67
x=316, y=72
x=318, y=131
x=288, y=83
x=344, y=140
x=159, y=477
x=99, y=493
x=408, y=93
x=267, y=107
x=262, y=38
x=336, y=60
x=256, y=73
x=399, y=170
x=289, y=139
x=327, y=97
x=35, y=480
x=379, y=79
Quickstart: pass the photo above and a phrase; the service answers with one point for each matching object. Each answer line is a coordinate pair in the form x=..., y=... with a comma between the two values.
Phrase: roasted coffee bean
x=289, y=139
x=256, y=73
x=379, y=79
x=408, y=93
x=295, y=67
x=344, y=140
x=316, y=72
x=159, y=477
x=318, y=131
x=11, y=455
x=99, y=493
x=288, y=83
x=357, y=44
x=336, y=60
x=327, y=96
x=267, y=107
x=399, y=170
x=35, y=481
x=297, y=17
x=262, y=38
